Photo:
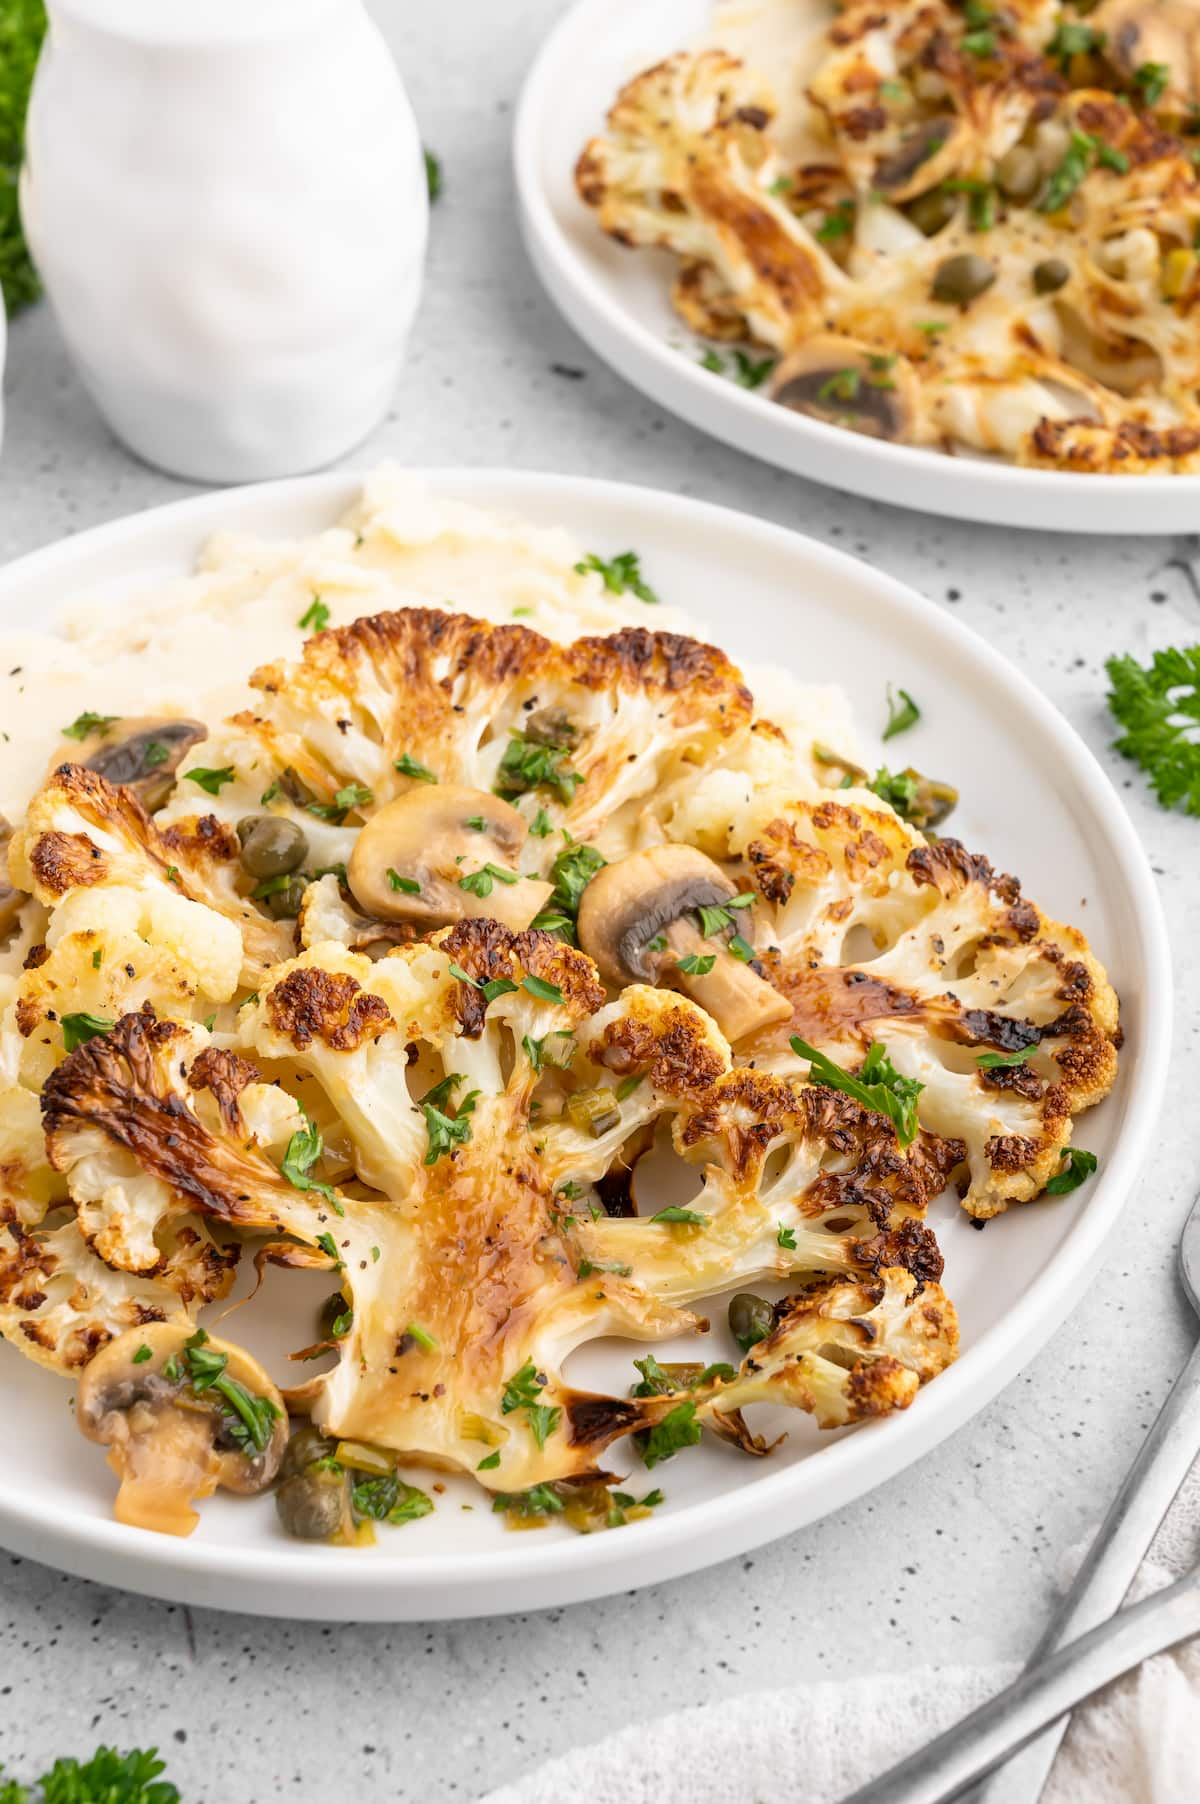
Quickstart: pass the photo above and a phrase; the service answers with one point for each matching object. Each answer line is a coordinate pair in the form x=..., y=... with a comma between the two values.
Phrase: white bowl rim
x=394, y=1588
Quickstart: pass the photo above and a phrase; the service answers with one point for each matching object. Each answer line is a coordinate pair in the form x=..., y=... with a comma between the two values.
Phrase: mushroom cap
x=423, y=837
x=122, y=745
x=169, y=1441
x=630, y=902
x=1137, y=32
x=841, y=379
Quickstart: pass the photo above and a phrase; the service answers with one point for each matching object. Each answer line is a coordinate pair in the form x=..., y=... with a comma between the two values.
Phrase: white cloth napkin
x=1136, y=1743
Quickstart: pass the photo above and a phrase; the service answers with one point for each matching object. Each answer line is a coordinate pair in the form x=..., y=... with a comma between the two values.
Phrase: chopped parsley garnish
x=841, y=386
x=628, y=1085
x=536, y=1051
x=1078, y=1166
x=476, y=823
x=679, y=1428
x=433, y=175
x=447, y=1131
x=981, y=202
x=481, y=882
x=537, y=986
x=328, y=1246
x=1153, y=79
x=780, y=185
x=1081, y=153
x=878, y=1085
x=1073, y=39
x=422, y=1336
x=980, y=43
x=716, y=920
x=408, y=886
x=786, y=1237
x=141, y=1356
x=838, y=223
x=657, y=944
x=315, y=617
x=246, y=1419
x=571, y=873
x=84, y=725
x=612, y=1267
x=412, y=767
x=522, y=1392
x=528, y=765
x=78, y=1029
x=902, y=713
x=697, y=964
x=1158, y=704
x=541, y=826
x=341, y=1324
x=172, y=1370
x=675, y=1216
x=490, y=1463
x=388, y=1499
x=992, y=1061
x=621, y=574
x=212, y=782
x=156, y=753
x=742, y=949
x=303, y=1150
x=269, y=795
x=97, y=958
x=747, y=371
x=354, y=795
x=540, y=1500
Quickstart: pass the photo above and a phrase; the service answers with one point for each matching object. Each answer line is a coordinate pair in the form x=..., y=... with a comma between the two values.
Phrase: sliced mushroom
x=181, y=1414
x=1128, y=366
x=927, y=156
x=141, y=754
x=1142, y=32
x=413, y=857
x=850, y=383
x=635, y=921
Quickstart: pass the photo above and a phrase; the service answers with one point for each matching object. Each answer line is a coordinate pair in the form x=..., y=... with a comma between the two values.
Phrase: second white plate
x=619, y=302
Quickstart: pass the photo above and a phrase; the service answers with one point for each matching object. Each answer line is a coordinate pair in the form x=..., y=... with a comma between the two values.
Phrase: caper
x=271, y=846
x=751, y=1319
x=1019, y=173
x=1050, y=275
x=313, y=1505
x=283, y=897
x=306, y=1446
x=960, y=279
x=931, y=211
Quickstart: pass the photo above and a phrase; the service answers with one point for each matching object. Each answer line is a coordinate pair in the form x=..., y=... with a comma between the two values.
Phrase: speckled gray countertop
x=953, y=1562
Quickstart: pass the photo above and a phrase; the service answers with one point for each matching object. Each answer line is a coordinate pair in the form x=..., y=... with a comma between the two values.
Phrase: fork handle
x=1109, y=1568
x=945, y=1767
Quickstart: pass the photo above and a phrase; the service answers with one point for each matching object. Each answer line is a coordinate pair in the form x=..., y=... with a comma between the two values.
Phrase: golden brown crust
x=310, y=1003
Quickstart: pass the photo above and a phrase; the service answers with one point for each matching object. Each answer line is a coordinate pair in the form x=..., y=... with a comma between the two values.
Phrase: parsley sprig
x=303, y=1150
x=445, y=1132
x=522, y=1392
x=1158, y=704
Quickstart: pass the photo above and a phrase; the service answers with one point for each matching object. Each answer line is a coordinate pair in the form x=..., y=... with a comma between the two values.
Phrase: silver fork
x=1085, y=1645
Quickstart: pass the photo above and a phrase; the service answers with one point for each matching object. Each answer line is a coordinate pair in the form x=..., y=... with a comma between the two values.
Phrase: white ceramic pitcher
x=226, y=200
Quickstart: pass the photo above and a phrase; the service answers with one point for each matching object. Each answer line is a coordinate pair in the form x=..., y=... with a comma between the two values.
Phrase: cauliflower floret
x=111, y=950
x=28, y=1185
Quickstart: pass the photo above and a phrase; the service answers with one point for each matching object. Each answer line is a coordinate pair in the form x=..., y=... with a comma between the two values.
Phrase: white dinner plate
x=619, y=301
x=1033, y=798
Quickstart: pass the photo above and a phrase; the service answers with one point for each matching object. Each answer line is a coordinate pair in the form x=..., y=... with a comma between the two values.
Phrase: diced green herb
x=97, y=958
x=79, y=1028
x=697, y=964
x=526, y=765
x=838, y=223
x=303, y=1150
x=679, y=1428
x=86, y=724
x=538, y=986
x=480, y=883
x=621, y=574
x=993, y=1061
x=541, y=826
x=328, y=1246
x=741, y=949
x=1078, y=1165
x=522, y=1392
x=412, y=767
x=675, y=1216
x=902, y=713
x=433, y=175
x=315, y=617
x=490, y=1463
x=422, y=1336
x=1073, y=38
x=141, y=1356
x=353, y=795
x=211, y=781
x=388, y=1499
x=841, y=386
x=1153, y=79
x=408, y=886
x=878, y=1086
x=786, y=1238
